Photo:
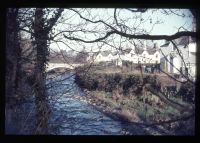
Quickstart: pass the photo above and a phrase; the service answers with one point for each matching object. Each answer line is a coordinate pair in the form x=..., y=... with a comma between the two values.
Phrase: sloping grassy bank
x=127, y=83
x=120, y=94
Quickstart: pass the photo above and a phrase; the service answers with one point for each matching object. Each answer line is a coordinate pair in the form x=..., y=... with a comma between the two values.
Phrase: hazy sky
x=167, y=25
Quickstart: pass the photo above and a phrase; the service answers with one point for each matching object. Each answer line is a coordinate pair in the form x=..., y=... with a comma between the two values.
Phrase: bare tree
x=47, y=26
x=120, y=28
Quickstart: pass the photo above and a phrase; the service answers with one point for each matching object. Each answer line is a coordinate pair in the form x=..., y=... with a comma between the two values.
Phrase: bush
x=187, y=92
x=108, y=82
x=130, y=83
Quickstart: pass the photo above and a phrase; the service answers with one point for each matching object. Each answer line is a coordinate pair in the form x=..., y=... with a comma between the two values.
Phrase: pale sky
x=169, y=25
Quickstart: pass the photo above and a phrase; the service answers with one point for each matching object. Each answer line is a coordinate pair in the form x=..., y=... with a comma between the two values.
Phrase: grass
x=104, y=96
x=135, y=110
x=131, y=106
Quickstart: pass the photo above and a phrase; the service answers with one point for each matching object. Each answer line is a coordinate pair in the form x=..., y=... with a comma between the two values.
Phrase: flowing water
x=68, y=116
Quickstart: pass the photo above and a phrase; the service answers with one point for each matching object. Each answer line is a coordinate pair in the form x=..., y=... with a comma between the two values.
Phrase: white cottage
x=172, y=62
x=146, y=55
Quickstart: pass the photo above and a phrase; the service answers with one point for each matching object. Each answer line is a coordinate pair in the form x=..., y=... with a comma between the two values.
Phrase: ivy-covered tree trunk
x=40, y=93
x=42, y=28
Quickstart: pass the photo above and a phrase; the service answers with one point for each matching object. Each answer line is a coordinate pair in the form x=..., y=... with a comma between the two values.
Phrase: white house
x=145, y=55
x=185, y=63
x=135, y=55
x=104, y=56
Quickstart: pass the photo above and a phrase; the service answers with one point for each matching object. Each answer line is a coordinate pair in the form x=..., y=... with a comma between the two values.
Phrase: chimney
x=145, y=45
x=156, y=46
x=194, y=25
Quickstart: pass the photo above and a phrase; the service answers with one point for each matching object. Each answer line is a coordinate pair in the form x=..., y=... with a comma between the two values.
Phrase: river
x=69, y=116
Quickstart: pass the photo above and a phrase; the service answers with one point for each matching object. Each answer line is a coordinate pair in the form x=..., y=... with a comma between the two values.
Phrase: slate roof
x=105, y=53
x=181, y=41
x=152, y=51
x=114, y=53
x=139, y=50
x=149, y=50
x=125, y=51
x=166, y=44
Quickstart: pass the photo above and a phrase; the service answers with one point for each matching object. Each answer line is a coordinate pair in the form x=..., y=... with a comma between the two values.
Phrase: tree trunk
x=13, y=54
x=41, y=32
x=40, y=94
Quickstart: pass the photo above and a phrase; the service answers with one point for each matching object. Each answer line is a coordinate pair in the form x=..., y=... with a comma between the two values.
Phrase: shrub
x=187, y=92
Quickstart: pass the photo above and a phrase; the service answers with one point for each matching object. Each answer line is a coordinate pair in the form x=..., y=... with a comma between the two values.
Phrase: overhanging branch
x=143, y=36
x=132, y=36
x=92, y=41
x=158, y=37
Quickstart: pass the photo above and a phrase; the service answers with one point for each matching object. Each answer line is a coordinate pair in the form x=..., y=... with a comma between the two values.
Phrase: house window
x=156, y=55
x=131, y=55
x=144, y=55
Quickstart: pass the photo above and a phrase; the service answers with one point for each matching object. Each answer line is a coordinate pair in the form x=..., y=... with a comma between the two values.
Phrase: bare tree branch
x=143, y=36
x=96, y=40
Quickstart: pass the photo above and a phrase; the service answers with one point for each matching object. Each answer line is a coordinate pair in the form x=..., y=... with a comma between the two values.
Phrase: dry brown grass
x=166, y=80
x=131, y=116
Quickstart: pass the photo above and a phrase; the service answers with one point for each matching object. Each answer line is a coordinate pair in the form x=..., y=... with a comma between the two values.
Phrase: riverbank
x=112, y=111
x=120, y=96
x=134, y=117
